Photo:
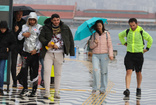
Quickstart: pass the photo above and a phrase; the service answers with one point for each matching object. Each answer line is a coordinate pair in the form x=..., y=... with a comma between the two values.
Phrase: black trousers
x=14, y=55
x=33, y=62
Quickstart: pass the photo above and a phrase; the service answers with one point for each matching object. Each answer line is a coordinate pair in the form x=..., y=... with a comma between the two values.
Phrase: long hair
x=95, y=26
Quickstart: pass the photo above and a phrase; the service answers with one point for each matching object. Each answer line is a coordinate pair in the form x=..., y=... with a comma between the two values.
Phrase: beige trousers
x=50, y=59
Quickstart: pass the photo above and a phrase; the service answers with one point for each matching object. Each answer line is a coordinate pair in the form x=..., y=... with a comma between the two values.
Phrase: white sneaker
x=56, y=95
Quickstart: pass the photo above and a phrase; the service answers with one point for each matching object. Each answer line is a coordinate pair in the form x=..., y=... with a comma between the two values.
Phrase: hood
x=32, y=15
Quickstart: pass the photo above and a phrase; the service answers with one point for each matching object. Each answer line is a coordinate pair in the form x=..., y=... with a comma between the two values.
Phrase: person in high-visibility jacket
x=135, y=48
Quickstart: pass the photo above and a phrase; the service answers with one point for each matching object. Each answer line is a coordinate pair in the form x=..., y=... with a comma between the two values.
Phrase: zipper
x=133, y=41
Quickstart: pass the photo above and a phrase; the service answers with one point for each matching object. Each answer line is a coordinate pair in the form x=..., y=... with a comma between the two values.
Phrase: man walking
x=30, y=55
x=135, y=48
x=17, y=27
x=58, y=39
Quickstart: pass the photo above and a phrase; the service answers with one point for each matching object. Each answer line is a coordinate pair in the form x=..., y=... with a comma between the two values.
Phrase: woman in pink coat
x=102, y=50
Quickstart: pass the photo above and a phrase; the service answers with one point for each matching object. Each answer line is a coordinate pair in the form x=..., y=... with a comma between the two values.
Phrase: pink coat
x=104, y=44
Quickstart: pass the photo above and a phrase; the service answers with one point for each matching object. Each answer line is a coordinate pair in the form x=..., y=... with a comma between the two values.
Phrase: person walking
x=7, y=44
x=30, y=55
x=58, y=37
x=17, y=27
x=102, y=50
x=135, y=49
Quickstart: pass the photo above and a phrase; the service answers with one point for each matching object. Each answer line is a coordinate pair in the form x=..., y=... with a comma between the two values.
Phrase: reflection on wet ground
x=76, y=86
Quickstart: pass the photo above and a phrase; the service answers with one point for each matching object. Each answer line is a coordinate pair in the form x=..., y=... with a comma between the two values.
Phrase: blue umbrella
x=84, y=30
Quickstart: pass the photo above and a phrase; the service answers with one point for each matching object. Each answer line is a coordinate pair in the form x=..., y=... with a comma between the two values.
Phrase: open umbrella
x=41, y=19
x=84, y=30
x=26, y=9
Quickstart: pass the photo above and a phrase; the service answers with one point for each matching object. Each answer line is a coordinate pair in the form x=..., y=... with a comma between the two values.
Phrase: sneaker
x=56, y=95
x=93, y=91
x=24, y=92
x=47, y=95
x=42, y=83
x=138, y=92
x=14, y=85
x=102, y=92
x=33, y=93
x=126, y=93
x=1, y=92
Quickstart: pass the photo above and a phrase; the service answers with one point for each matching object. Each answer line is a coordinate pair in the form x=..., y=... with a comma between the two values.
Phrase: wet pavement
x=76, y=86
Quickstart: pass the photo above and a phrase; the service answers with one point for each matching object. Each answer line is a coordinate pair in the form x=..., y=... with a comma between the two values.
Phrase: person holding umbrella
x=17, y=27
x=102, y=50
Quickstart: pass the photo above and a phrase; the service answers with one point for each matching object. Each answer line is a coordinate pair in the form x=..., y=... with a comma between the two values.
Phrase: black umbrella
x=26, y=9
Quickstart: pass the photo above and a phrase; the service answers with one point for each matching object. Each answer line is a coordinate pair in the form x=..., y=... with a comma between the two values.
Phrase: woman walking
x=102, y=50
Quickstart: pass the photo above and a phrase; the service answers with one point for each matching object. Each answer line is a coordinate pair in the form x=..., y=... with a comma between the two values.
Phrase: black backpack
x=141, y=32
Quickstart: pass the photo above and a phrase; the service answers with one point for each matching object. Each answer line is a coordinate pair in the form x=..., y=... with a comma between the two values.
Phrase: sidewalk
x=76, y=86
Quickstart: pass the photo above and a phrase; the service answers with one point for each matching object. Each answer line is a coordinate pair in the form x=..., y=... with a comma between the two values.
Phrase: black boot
x=33, y=93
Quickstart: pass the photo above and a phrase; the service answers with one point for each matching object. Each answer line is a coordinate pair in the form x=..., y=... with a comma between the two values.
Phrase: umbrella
x=40, y=21
x=26, y=9
x=84, y=30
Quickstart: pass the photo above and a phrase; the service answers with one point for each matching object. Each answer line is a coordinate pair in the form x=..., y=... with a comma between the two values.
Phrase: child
x=30, y=56
x=7, y=43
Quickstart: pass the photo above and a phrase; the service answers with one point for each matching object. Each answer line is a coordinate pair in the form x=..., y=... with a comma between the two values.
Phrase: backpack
x=88, y=43
x=89, y=40
x=141, y=32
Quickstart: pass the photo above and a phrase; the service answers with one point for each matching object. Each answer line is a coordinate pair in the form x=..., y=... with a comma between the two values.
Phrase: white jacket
x=32, y=42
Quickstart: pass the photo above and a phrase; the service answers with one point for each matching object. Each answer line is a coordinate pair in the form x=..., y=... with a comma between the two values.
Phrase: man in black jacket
x=57, y=40
x=17, y=27
x=7, y=43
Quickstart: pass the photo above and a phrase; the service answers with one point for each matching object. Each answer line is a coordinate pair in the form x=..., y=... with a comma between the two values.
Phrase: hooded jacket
x=67, y=37
x=7, y=40
x=134, y=40
x=32, y=42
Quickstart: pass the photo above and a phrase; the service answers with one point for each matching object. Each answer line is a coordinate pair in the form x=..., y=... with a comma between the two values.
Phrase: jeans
x=2, y=67
x=42, y=69
x=100, y=66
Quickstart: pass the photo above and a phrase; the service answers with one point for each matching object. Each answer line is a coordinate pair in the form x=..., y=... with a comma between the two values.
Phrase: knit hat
x=3, y=24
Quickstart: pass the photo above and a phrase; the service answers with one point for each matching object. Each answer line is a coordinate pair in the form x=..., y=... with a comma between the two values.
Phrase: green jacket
x=134, y=40
x=67, y=37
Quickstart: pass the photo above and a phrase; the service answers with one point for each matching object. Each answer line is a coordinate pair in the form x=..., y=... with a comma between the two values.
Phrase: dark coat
x=67, y=37
x=7, y=40
x=19, y=46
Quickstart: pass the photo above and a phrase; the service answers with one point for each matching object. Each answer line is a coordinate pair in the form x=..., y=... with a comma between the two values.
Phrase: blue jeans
x=2, y=67
x=100, y=66
x=42, y=69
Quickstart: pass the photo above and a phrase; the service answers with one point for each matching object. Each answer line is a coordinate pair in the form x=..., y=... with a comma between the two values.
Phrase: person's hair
x=3, y=24
x=132, y=20
x=95, y=26
x=55, y=16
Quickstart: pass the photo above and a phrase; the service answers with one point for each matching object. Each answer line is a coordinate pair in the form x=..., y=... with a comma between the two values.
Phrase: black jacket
x=67, y=37
x=7, y=40
x=19, y=45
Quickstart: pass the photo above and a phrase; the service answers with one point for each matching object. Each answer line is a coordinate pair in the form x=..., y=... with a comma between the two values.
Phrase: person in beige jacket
x=102, y=50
